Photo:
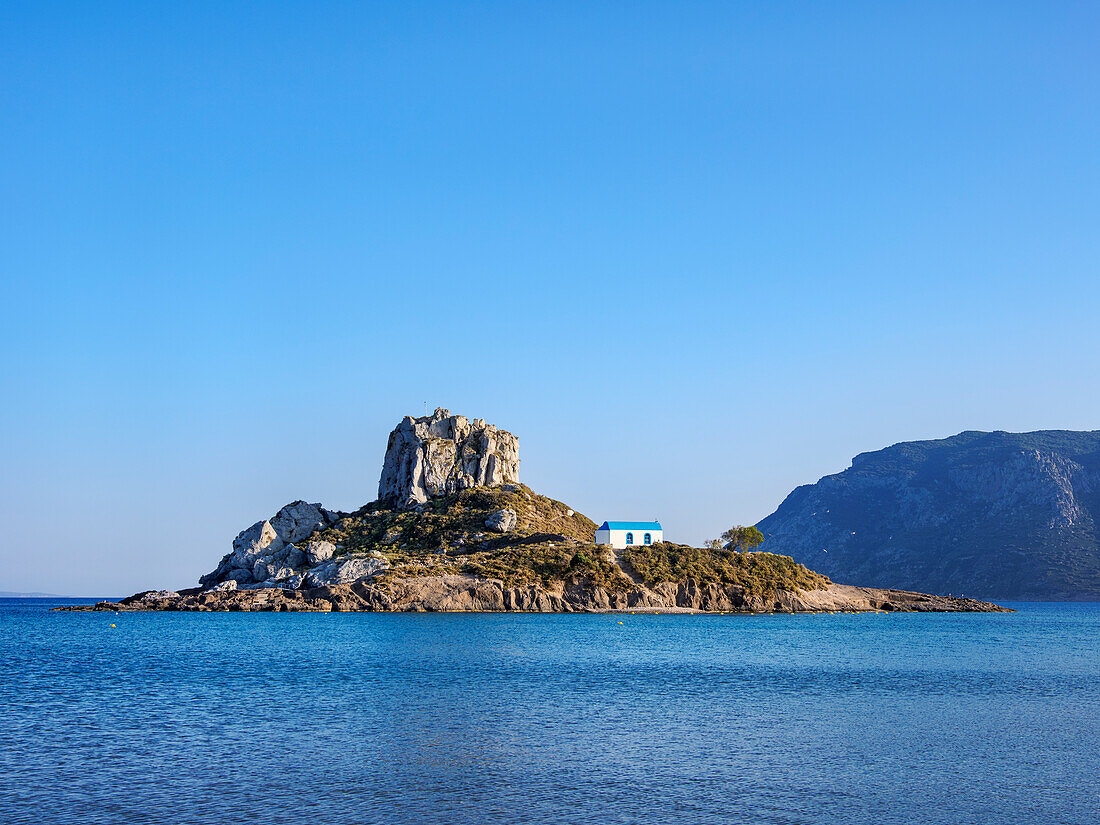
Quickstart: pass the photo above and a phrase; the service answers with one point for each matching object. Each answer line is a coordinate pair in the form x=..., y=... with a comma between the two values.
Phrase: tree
x=741, y=538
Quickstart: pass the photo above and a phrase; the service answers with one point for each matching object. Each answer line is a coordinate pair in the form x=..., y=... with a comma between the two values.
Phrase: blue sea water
x=430, y=718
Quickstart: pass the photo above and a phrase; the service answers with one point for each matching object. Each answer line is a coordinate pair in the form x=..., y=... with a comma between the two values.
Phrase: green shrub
x=756, y=573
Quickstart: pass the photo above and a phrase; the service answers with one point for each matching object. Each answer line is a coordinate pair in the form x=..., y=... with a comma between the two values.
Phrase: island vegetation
x=549, y=543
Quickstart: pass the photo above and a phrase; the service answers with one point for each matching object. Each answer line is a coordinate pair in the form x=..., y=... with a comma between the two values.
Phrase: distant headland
x=453, y=529
x=1003, y=515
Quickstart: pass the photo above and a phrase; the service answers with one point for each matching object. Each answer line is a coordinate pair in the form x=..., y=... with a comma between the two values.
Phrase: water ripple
x=365, y=718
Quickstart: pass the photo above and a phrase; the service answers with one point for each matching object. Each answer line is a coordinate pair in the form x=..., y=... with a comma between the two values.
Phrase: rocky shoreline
x=471, y=594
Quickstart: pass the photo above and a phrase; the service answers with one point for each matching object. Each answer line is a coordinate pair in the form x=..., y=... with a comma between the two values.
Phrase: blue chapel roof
x=631, y=525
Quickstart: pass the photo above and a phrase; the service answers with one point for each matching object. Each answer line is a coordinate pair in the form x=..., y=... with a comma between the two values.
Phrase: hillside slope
x=996, y=515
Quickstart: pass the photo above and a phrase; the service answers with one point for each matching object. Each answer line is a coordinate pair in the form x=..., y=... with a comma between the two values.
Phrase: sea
x=353, y=718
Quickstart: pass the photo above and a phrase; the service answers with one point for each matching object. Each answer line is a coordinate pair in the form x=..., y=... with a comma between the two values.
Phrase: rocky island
x=453, y=529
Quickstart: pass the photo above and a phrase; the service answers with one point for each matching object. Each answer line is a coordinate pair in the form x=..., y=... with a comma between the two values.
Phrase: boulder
x=298, y=520
x=272, y=572
x=347, y=569
x=255, y=539
x=442, y=454
x=317, y=551
x=502, y=521
x=251, y=544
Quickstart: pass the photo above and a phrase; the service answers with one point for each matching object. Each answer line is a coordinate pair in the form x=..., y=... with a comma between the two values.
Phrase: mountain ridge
x=997, y=514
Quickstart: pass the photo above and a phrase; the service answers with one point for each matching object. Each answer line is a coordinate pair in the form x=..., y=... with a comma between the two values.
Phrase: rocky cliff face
x=1000, y=515
x=441, y=454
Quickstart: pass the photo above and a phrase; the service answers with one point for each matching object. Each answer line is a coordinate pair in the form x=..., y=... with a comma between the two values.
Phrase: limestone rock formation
x=442, y=454
x=318, y=551
x=998, y=515
x=265, y=554
x=298, y=520
x=429, y=456
x=502, y=520
x=341, y=571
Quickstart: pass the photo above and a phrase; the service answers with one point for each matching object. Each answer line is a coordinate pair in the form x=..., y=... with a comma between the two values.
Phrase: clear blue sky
x=693, y=254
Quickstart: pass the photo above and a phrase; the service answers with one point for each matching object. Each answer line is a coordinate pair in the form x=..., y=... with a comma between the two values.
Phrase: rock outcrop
x=1004, y=515
x=441, y=454
x=344, y=570
x=435, y=455
x=266, y=555
x=319, y=550
x=459, y=593
x=502, y=520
